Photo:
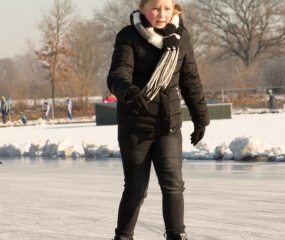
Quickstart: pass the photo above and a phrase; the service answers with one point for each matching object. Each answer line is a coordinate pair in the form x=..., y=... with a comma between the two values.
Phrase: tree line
x=238, y=44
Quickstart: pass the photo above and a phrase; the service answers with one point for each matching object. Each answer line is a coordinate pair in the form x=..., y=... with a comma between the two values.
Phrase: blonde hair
x=177, y=8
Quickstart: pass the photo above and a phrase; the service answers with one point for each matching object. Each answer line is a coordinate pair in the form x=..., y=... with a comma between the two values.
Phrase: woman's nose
x=162, y=12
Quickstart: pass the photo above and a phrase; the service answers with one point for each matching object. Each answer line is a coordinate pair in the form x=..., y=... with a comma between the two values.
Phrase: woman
x=152, y=63
x=46, y=109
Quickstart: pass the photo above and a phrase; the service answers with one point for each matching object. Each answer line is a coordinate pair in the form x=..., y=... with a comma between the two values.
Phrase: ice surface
x=78, y=200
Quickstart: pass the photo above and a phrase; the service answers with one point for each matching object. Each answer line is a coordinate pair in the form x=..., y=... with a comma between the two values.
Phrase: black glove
x=137, y=101
x=197, y=135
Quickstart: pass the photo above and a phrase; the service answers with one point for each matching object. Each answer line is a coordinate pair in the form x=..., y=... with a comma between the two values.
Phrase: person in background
x=24, y=118
x=46, y=109
x=69, y=107
x=109, y=98
x=9, y=103
x=4, y=109
x=271, y=100
x=152, y=64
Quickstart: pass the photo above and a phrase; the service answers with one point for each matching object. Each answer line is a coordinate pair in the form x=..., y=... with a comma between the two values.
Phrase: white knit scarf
x=168, y=43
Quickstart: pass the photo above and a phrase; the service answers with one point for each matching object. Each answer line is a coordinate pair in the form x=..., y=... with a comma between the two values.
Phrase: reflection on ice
x=67, y=199
x=193, y=165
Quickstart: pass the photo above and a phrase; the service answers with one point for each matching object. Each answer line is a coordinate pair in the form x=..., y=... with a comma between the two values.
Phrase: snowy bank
x=245, y=136
x=238, y=149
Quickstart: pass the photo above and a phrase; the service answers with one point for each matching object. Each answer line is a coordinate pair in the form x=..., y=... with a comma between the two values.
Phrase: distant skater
x=109, y=98
x=24, y=118
x=4, y=109
x=271, y=100
x=69, y=108
x=46, y=109
x=9, y=104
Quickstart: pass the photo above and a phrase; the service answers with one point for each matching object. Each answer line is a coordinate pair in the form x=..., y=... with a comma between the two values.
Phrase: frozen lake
x=78, y=199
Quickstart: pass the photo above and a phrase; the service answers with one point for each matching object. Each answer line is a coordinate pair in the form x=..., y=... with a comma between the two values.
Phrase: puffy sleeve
x=191, y=87
x=119, y=79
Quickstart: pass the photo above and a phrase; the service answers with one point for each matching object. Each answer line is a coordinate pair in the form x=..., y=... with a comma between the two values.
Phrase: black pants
x=138, y=150
x=4, y=114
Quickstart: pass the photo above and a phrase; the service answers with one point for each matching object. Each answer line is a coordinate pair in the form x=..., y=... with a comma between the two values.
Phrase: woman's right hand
x=137, y=101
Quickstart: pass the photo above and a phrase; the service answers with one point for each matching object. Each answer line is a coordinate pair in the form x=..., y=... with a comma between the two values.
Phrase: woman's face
x=158, y=12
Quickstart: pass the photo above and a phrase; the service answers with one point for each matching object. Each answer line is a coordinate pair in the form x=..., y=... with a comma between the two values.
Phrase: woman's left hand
x=197, y=135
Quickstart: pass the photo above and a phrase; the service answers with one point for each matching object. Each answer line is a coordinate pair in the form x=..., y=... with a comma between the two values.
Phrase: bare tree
x=247, y=29
x=32, y=69
x=116, y=14
x=84, y=41
x=8, y=74
x=274, y=72
x=190, y=15
x=111, y=19
x=19, y=77
x=54, y=55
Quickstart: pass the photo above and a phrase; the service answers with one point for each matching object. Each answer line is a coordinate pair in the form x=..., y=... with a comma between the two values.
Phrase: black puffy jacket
x=133, y=62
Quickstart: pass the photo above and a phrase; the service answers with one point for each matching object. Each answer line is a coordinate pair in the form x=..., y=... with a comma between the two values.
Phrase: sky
x=19, y=19
x=246, y=134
